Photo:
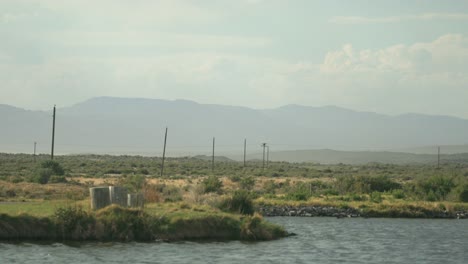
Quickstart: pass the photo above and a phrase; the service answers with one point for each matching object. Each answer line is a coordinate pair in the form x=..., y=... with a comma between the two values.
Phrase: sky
x=390, y=57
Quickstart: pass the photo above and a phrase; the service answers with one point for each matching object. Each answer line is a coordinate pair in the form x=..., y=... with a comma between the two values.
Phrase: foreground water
x=319, y=240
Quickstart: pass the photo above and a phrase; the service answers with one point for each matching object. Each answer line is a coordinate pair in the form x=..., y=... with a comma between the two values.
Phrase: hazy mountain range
x=136, y=126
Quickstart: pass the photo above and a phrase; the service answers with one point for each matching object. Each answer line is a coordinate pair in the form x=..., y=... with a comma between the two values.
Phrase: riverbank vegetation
x=375, y=190
x=157, y=222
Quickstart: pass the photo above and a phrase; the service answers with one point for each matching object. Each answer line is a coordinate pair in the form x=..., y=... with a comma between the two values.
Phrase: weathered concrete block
x=118, y=195
x=135, y=200
x=99, y=197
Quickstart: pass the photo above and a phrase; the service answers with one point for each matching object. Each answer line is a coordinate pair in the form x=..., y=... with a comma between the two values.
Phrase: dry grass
x=27, y=191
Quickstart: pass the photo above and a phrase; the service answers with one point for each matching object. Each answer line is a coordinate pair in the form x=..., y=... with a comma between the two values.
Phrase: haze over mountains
x=136, y=126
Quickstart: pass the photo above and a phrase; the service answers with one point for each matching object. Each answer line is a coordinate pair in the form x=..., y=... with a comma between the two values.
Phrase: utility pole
x=268, y=155
x=164, y=153
x=438, y=157
x=213, y=155
x=53, y=135
x=245, y=148
x=264, y=146
x=35, y=151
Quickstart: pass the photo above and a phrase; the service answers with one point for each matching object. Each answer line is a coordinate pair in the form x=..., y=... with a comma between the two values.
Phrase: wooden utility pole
x=438, y=157
x=245, y=148
x=164, y=153
x=213, y=155
x=264, y=146
x=35, y=151
x=53, y=135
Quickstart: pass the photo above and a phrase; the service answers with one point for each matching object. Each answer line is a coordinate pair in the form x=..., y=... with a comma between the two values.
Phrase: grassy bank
x=177, y=221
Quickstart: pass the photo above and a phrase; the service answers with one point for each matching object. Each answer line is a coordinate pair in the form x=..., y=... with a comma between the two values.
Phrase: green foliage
x=235, y=178
x=126, y=224
x=359, y=198
x=42, y=175
x=398, y=194
x=240, y=202
x=72, y=221
x=212, y=184
x=300, y=192
x=46, y=170
x=247, y=182
x=270, y=187
x=56, y=168
x=365, y=184
x=376, y=197
x=133, y=182
x=435, y=188
x=172, y=194
x=463, y=194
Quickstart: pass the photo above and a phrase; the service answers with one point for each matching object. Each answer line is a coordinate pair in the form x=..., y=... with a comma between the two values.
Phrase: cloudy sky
x=391, y=57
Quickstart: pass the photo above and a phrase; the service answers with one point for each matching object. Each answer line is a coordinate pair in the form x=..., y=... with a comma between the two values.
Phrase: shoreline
x=350, y=212
x=117, y=224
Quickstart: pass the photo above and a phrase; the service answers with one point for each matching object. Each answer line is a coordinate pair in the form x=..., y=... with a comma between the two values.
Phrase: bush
x=463, y=194
x=376, y=197
x=54, y=166
x=46, y=170
x=398, y=194
x=247, y=182
x=134, y=183
x=359, y=198
x=172, y=193
x=300, y=192
x=365, y=184
x=73, y=222
x=212, y=184
x=435, y=188
x=235, y=178
x=42, y=175
x=240, y=202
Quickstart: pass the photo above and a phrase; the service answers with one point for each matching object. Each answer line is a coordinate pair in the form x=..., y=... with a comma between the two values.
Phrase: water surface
x=319, y=240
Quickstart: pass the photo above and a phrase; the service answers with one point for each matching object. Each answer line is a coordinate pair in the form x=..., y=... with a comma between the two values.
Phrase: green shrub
x=73, y=222
x=212, y=184
x=46, y=170
x=54, y=166
x=42, y=175
x=463, y=194
x=375, y=197
x=247, y=182
x=240, y=202
x=435, y=188
x=299, y=192
x=235, y=178
x=398, y=194
x=270, y=187
x=356, y=197
x=365, y=184
x=133, y=182
x=172, y=193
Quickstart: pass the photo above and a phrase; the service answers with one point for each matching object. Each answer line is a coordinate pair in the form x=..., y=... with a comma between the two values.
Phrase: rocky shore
x=309, y=211
x=329, y=211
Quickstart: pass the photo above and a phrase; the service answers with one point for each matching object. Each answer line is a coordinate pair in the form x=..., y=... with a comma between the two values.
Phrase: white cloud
x=124, y=56
x=448, y=53
x=398, y=19
x=424, y=77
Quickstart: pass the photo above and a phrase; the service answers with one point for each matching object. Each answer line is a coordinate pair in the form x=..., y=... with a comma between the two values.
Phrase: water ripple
x=319, y=240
